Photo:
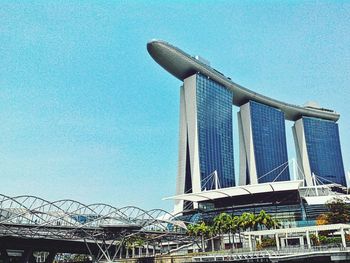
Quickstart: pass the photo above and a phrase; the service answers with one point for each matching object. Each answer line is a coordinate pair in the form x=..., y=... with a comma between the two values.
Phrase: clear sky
x=87, y=114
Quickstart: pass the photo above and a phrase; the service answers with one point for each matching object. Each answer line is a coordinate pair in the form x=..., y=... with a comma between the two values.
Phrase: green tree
x=246, y=221
x=339, y=211
x=199, y=230
x=220, y=225
x=265, y=219
x=212, y=233
x=233, y=226
x=227, y=224
x=203, y=231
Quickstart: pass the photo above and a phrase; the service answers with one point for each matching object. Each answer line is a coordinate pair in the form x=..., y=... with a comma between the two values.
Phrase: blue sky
x=87, y=114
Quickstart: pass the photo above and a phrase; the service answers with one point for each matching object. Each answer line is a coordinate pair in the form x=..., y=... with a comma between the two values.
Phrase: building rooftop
x=182, y=65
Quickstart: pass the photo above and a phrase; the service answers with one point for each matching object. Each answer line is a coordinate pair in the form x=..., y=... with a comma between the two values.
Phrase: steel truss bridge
x=30, y=224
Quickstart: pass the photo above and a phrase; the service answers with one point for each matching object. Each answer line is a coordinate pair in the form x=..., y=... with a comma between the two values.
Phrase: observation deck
x=183, y=65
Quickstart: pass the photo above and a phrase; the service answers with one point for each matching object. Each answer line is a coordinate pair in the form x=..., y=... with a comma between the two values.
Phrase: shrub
x=268, y=242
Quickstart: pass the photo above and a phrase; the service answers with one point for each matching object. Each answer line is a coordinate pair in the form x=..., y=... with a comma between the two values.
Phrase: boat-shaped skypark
x=183, y=65
x=206, y=159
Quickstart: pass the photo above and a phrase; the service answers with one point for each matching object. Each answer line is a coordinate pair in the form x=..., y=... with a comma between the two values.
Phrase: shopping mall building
x=295, y=192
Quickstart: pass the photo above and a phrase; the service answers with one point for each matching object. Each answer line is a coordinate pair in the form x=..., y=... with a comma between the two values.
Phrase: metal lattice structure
x=107, y=227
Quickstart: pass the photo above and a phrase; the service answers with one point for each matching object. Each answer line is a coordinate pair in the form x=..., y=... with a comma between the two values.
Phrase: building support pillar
x=27, y=256
x=250, y=242
x=343, y=240
x=50, y=257
x=308, y=239
x=4, y=255
x=277, y=242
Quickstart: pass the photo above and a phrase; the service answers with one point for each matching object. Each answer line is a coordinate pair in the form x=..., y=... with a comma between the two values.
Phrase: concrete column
x=277, y=242
x=308, y=241
x=283, y=242
x=286, y=240
x=121, y=251
x=27, y=256
x=147, y=251
x=4, y=255
x=50, y=257
x=342, y=233
x=260, y=239
x=250, y=242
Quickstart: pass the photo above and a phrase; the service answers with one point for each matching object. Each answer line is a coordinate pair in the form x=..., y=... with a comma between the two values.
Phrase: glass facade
x=270, y=147
x=215, y=138
x=323, y=147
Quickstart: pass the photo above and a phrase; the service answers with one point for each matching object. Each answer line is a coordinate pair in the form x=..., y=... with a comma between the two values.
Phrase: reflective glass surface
x=323, y=146
x=270, y=148
x=215, y=139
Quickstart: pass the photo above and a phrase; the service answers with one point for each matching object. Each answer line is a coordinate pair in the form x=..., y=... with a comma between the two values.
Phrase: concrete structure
x=301, y=233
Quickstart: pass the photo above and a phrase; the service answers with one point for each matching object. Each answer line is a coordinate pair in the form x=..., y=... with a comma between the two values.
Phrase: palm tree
x=139, y=242
x=190, y=230
x=267, y=220
x=272, y=223
x=227, y=224
x=220, y=223
x=262, y=218
x=234, y=226
x=201, y=230
x=246, y=221
x=212, y=234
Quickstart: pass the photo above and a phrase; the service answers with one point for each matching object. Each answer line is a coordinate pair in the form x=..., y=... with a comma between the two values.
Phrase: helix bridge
x=30, y=223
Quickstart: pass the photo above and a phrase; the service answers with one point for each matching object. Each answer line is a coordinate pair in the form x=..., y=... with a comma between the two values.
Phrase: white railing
x=236, y=255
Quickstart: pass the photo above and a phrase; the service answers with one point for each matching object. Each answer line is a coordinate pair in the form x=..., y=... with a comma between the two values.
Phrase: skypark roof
x=238, y=191
x=182, y=65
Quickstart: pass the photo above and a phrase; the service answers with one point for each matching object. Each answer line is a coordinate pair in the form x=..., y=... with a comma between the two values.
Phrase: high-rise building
x=206, y=140
x=318, y=150
x=206, y=167
x=205, y=182
x=263, y=146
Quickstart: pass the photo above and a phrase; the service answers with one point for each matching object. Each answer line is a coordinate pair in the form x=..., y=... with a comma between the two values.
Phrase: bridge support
x=4, y=256
x=50, y=257
x=121, y=252
x=28, y=256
